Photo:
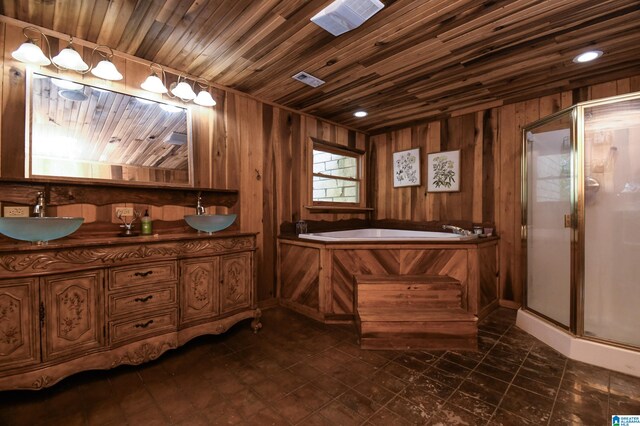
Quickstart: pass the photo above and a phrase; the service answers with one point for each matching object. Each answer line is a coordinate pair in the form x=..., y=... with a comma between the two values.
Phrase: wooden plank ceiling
x=412, y=61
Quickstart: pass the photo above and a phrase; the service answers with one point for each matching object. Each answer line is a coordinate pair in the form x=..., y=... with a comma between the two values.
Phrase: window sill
x=338, y=209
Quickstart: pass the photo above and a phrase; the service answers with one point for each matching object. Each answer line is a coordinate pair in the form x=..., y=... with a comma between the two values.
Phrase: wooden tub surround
x=95, y=302
x=316, y=278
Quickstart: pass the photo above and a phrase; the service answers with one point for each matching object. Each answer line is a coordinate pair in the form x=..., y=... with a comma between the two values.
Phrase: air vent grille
x=307, y=78
x=345, y=15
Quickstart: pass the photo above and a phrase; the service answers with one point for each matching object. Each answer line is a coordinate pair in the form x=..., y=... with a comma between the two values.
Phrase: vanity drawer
x=142, y=274
x=142, y=300
x=143, y=325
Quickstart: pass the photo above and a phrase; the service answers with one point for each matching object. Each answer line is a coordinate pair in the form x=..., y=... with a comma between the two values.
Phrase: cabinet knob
x=144, y=325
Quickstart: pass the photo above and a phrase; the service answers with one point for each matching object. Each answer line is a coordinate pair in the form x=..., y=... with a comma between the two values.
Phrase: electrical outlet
x=124, y=211
x=16, y=211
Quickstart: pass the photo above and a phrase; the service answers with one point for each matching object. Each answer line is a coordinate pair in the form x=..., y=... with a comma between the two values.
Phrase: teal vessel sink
x=39, y=229
x=210, y=222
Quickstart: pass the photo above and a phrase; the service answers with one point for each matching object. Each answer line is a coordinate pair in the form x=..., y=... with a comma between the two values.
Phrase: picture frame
x=406, y=168
x=443, y=171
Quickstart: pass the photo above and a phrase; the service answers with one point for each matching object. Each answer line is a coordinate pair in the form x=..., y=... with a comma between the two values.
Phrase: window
x=337, y=175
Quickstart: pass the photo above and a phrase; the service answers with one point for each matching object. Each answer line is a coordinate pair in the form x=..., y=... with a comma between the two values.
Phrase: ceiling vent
x=345, y=15
x=307, y=78
x=177, y=138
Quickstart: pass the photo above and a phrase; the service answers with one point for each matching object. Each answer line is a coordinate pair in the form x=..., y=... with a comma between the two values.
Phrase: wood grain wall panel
x=241, y=144
x=13, y=107
x=493, y=169
x=487, y=262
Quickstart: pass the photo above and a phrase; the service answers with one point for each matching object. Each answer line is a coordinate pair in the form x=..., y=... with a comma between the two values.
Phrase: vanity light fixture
x=70, y=59
x=30, y=53
x=67, y=59
x=204, y=98
x=360, y=114
x=170, y=108
x=181, y=89
x=154, y=83
x=66, y=84
x=588, y=56
x=105, y=68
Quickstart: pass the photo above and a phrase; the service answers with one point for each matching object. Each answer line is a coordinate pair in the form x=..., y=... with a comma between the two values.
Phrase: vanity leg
x=256, y=324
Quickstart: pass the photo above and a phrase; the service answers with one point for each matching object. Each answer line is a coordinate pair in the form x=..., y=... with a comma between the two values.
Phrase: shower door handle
x=568, y=221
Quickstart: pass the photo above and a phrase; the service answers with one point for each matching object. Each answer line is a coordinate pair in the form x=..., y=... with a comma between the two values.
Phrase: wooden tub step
x=413, y=312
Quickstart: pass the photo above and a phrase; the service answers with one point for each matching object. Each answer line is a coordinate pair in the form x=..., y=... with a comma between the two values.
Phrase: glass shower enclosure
x=581, y=219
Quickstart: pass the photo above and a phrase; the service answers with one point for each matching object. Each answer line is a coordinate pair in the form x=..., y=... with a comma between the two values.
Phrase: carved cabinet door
x=236, y=277
x=19, y=326
x=198, y=289
x=73, y=314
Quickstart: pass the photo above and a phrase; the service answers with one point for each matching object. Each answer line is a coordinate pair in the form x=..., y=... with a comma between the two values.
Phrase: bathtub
x=373, y=234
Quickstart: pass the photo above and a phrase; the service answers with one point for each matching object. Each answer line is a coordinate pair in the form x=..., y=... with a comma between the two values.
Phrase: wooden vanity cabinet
x=215, y=285
x=199, y=289
x=71, y=313
x=235, y=281
x=73, y=308
x=19, y=323
x=142, y=301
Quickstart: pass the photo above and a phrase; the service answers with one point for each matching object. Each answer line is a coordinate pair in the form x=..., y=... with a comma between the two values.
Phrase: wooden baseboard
x=510, y=304
x=268, y=303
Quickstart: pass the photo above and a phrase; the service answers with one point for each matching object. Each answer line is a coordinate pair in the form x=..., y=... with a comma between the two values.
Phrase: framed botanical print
x=443, y=171
x=406, y=168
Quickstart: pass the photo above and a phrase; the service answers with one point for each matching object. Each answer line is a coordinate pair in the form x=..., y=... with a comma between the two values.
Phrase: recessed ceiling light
x=588, y=56
x=361, y=114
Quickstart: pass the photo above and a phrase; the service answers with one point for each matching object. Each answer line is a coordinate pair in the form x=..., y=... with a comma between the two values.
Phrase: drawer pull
x=143, y=299
x=145, y=325
x=142, y=274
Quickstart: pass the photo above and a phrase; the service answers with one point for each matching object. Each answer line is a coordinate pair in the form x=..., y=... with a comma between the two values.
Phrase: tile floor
x=297, y=371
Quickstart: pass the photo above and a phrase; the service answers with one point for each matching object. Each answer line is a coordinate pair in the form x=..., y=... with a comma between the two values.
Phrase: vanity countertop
x=12, y=246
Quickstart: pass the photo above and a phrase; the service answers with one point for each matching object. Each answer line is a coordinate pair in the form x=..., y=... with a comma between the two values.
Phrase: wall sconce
x=182, y=90
x=67, y=59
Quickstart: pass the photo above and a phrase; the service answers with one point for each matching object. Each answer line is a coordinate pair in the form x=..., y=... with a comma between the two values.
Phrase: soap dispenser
x=146, y=227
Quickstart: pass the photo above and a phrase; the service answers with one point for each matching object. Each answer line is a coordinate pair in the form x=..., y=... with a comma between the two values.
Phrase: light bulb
x=587, y=56
x=30, y=53
x=106, y=70
x=154, y=84
x=183, y=91
x=69, y=59
x=204, y=99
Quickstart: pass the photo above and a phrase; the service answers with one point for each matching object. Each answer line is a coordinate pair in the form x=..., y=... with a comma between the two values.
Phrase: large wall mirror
x=85, y=132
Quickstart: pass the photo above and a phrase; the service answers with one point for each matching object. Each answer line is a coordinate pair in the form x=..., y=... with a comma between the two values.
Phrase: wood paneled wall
x=490, y=144
x=242, y=143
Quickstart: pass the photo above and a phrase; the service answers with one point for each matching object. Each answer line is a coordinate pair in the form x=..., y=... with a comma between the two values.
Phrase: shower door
x=548, y=207
x=611, y=283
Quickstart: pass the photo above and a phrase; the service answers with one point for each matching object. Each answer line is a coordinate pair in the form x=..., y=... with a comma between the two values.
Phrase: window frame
x=333, y=148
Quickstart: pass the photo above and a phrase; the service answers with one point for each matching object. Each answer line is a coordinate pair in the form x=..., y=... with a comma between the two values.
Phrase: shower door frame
x=577, y=285
x=573, y=291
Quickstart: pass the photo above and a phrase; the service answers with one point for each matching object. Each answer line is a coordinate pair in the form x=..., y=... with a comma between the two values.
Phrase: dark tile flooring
x=297, y=371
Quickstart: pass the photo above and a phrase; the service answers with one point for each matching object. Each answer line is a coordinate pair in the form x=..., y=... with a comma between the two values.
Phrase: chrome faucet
x=39, y=208
x=200, y=208
x=457, y=230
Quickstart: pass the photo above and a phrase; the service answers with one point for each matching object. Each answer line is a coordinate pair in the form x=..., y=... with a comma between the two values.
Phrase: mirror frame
x=121, y=90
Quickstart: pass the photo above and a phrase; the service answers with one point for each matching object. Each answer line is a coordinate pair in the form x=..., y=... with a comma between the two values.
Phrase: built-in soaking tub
x=316, y=270
x=374, y=234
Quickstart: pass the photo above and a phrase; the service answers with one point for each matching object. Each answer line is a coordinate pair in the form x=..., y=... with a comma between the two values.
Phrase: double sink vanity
x=95, y=302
